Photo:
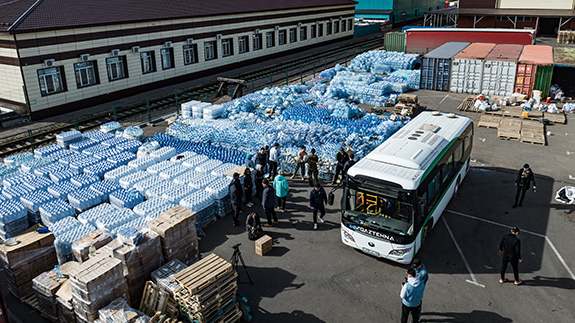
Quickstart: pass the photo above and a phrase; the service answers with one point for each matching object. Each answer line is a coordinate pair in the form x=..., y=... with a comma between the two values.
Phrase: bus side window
x=458, y=154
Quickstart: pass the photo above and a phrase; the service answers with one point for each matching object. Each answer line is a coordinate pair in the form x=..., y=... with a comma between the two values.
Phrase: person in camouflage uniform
x=312, y=160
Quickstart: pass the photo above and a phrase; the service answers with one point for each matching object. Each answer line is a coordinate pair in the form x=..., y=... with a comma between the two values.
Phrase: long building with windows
x=59, y=56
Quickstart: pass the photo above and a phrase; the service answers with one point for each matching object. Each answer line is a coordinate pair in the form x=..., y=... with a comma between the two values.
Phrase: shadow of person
x=294, y=316
x=563, y=283
x=473, y=317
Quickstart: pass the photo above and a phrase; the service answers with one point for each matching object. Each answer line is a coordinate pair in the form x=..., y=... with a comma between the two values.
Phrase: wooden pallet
x=509, y=129
x=31, y=301
x=533, y=133
x=218, y=287
x=160, y=317
x=203, y=273
x=555, y=117
x=513, y=112
x=490, y=122
x=155, y=299
x=468, y=104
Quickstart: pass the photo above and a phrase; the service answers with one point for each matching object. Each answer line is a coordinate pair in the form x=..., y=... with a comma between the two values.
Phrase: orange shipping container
x=531, y=57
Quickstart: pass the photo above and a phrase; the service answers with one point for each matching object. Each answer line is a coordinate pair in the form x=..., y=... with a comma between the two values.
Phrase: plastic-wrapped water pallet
x=116, y=174
x=55, y=211
x=64, y=225
x=84, y=199
x=185, y=178
x=177, y=194
x=115, y=219
x=90, y=216
x=64, y=139
x=159, y=189
x=9, y=172
x=53, y=168
x=147, y=148
x=129, y=146
x=83, y=180
x=157, y=168
x=147, y=183
x=13, y=219
x=38, y=183
x=111, y=126
x=173, y=172
x=30, y=165
x=129, y=180
x=63, y=175
x=164, y=276
x=34, y=200
x=213, y=112
x=105, y=187
x=134, y=133
x=84, y=163
x=164, y=153
x=194, y=161
x=186, y=108
x=123, y=158
x=98, y=135
x=108, y=153
x=114, y=142
x=224, y=209
x=61, y=154
x=198, y=109
x=80, y=145
x=74, y=157
x=128, y=235
x=99, y=168
x=142, y=163
x=18, y=179
x=208, y=166
x=126, y=198
x=62, y=189
x=47, y=150
x=139, y=223
x=149, y=209
x=18, y=159
x=198, y=201
x=64, y=241
x=202, y=181
x=14, y=192
x=90, y=151
x=220, y=170
x=179, y=158
x=219, y=188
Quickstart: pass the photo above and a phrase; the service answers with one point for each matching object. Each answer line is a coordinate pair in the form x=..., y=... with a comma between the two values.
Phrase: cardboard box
x=81, y=247
x=263, y=245
x=405, y=97
x=28, y=240
x=173, y=225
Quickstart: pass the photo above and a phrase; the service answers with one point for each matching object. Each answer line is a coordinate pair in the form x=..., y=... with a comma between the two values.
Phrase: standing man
x=341, y=159
x=523, y=182
x=274, y=160
x=261, y=159
x=317, y=198
x=510, y=247
x=258, y=178
x=423, y=275
x=312, y=160
x=269, y=202
x=248, y=187
x=350, y=162
x=236, y=195
x=411, y=295
x=300, y=163
x=281, y=187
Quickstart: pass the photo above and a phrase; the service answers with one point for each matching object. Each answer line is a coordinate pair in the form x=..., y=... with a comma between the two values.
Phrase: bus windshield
x=379, y=207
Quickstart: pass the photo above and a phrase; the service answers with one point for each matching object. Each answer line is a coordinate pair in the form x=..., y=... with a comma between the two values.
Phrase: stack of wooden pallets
x=155, y=300
x=510, y=128
x=207, y=291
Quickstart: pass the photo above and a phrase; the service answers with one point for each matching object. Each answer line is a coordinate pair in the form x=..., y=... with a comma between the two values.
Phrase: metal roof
x=564, y=56
x=447, y=50
x=517, y=12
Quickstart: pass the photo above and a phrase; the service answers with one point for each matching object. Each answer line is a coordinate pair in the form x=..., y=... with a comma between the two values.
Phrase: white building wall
x=10, y=76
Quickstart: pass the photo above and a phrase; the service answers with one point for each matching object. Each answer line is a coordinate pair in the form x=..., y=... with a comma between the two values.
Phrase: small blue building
x=396, y=11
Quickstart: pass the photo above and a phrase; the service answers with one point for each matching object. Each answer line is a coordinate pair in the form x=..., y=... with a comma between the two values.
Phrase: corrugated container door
x=457, y=76
x=498, y=78
x=473, y=75
x=524, y=80
x=427, y=73
x=543, y=79
x=395, y=42
x=442, y=74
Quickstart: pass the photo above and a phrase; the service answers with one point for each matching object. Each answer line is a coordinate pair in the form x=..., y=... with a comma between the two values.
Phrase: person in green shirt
x=312, y=160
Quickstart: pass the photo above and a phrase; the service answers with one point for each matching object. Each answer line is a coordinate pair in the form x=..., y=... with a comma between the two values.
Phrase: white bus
x=394, y=196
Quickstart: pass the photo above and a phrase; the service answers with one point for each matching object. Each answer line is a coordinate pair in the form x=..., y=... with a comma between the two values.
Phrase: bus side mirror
x=330, y=198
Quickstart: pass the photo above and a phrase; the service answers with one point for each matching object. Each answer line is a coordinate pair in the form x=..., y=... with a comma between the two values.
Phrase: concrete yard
x=311, y=276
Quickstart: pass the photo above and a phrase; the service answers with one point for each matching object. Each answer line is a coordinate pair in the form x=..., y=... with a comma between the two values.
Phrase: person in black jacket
x=253, y=226
x=510, y=248
x=350, y=162
x=262, y=158
x=341, y=158
x=523, y=182
x=258, y=178
x=248, y=187
x=269, y=202
x=317, y=198
x=236, y=195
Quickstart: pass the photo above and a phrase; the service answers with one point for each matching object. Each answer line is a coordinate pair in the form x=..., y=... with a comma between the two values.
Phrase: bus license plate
x=370, y=252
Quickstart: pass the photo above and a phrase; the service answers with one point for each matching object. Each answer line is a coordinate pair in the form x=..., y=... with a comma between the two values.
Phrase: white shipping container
x=498, y=78
x=466, y=76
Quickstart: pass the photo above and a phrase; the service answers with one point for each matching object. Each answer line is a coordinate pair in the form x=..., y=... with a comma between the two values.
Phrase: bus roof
x=405, y=156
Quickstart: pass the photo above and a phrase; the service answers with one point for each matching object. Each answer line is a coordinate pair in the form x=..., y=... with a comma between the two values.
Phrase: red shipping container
x=525, y=77
x=531, y=57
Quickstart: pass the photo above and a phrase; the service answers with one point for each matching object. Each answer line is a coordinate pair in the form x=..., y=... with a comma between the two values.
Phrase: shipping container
x=467, y=68
x=532, y=57
x=395, y=42
x=564, y=69
x=436, y=66
x=499, y=70
x=423, y=40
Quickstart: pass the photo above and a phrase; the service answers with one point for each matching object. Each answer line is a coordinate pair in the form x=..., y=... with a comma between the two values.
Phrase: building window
x=147, y=59
x=328, y=28
x=282, y=37
x=270, y=39
x=167, y=55
x=257, y=41
x=244, y=44
x=313, y=31
x=335, y=27
x=343, y=25
x=350, y=24
x=51, y=80
x=227, y=47
x=292, y=35
x=524, y=18
x=116, y=68
x=320, y=30
x=303, y=33
x=210, y=50
x=190, y=54
x=86, y=74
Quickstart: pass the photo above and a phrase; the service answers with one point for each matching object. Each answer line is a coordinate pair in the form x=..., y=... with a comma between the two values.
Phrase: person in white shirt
x=274, y=159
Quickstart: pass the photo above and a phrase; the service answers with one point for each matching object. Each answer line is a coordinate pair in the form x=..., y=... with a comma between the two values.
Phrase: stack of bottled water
x=47, y=150
x=213, y=112
x=115, y=219
x=134, y=133
x=113, y=142
x=79, y=165
x=33, y=201
x=129, y=146
x=223, y=168
x=99, y=168
x=142, y=163
x=62, y=189
x=173, y=172
x=219, y=188
x=66, y=160
x=84, y=199
x=129, y=180
x=68, y=137
x=198, y=109
x=90, y=216
x=54, y=211
x=50, y=169
x=90, y=151
x=30, y=165
x=193, y=161
x=126, y=198
x=177, y=194
x=129, y=235
x=139, y=223
x=147, y=183
x=202, y=182
x=148, y=147
x=157, y=168
x=164, y=153
x=39, y=183
x=208, y=166
x=63, y=175
x=18, y=159
x=80, y=145
x=116, y=174
x=13, y=219
x=105, y=188
x=61, y=154
x=111, y=127
x=182, y=156
x=105, y=154
x=83, y=180
x=98, y=135
x=152, y=208
x=8, y=172
x=122, y=158
x=202, y=203
x=160, y=188
x=14, y=192
x=65, y=239
x=186, y=108
x=185, y=178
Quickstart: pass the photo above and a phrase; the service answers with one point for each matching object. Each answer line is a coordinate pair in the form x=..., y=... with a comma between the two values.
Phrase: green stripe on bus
x=437, y=159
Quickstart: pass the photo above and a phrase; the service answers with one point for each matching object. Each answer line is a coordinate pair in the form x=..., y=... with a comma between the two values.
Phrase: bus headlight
x=399, y=252
x=348, y=236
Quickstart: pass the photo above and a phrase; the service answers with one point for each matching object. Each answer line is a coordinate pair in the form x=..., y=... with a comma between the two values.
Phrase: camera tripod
x=237, y=256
